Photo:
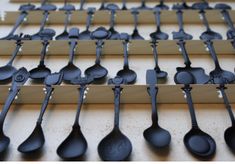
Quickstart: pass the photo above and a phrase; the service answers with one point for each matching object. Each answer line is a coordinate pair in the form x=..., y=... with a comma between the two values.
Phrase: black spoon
x=208, y=34
x=115, y=146
x=158, y=34
x=196, y=141
x=162, y=6
x=181, y=34
x=41, y=71
x=124, y=5
x=199, y=73
x=181, y=6
x=70, y=71
x=46, y=8
x=75, y=145
x=86, y=35
x=19, y=79
x=155, y=135
x=82, y=2
x=112, y=8
x=23, y=15
x=97, y=71
x=143, y=6
x=36, y=139
x=102, y=6
x=160, y=74
x=68, y=11
x=7, y=71
x=135, y=35
x=218, y=75
x=126, y=73
x=229, y=134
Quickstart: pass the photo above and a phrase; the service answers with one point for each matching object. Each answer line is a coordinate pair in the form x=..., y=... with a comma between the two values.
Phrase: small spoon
x=97, y=71
x=36, y=139
x=181, y=34
x=70, y=71
x=135, y=35
x=208, y=34
x=155, y=135
x=143, y=6
x=158, y=34
x=68, y=11
x=19, y=79
x=162, y=6
x=126, y=73
x=115, y=146
x=75, y=145
x=41, y=71
x=7, y=71
x=124, y=5
x=86, y=35
x=112, y=8
x=218, y=75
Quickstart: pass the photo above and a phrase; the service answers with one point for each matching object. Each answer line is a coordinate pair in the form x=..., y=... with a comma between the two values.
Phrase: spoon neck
x=45, y=44
x=112, y=19
x=67, y=20
x=117, y=92
x=152, y=91
x=99, y=46
x=155, y=54
x=180, y=20
x=73, y=45
x=205, y=21
x=158, y=19
x=183, y=50
x=14, y=54
x=213, y=54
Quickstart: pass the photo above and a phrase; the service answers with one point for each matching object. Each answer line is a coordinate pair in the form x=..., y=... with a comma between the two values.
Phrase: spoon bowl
x=40, y=72
x=128, y=75
x=219, y=76
x=182, y=35
x=70, y=71
x=96, y=71
x=7, y=72
x=159, y=35
x=210, y=35
x=229, y=136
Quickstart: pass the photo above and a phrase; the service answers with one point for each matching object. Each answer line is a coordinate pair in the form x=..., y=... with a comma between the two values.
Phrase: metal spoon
x=124, y=5
x=75, y=145
x=19, y=79
x=112, y=8
x=7, y=71
x=41, y=71
x=115, y=146
x=181, y=34
x=97, y=71
x=155, y=135
x=135, y=35
x=86, y=35
x=199, y=73
x=82, y=2
x=143, y=6
x=126, y=73
x=158, y=34
x=68, y=11
x=70, y=71
x=218, y=75
x=208, y=34
x=36, y=139
x=162, y=6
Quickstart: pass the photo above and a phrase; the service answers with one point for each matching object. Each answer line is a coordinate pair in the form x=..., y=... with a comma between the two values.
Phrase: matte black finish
x=19, y=79
x=7, y=71
x=126, y=73
x=143, y=6
x=114, y=34
x=70, y=71
x=160, y=74
x=198, y=73
x=155, y=135
x=75, y=145
x=115, y=146
x=135, y=35
x=181, y=34
x=218, y=75
x=161, y=6
x=158, y=34
x=208, y=34
x=36, y=139
x=86, y=35
x=181, y=6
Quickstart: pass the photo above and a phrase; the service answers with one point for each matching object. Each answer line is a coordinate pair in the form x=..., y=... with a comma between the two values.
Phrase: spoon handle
x=125, y=48
x=124, y=5
x=152, y=91
x=157, y=14
x=45, y=44
x=44, y=20
x=187, y=61
x=154, y=46
x=205, y=21
x=135, y=13
x=90, y=14
x=72, y=44
x=187, y=89
x=117, y=91
x=82, y=4
x=227, y=104
x=14, y=54
x=67, y=20
x=102, y=6
x=99, y=46
x=19, y=21
x=180, y=20
x=228, y=19
x=49, y=91
x=112, y=19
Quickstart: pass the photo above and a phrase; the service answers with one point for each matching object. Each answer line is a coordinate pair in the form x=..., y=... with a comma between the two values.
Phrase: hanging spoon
x=70, y=71
x=143, y=6
x=158, y=34
x=19, y=79
x=218, y=75
x=68, y=11
x=155, y=135
x=115, y=146
x=181, y=34
x=112, y=8
x=135, y=35
x=162, y=6
x=36, y=139
x=41, y=71
x=7, y=71
x=75, y=145
x=86, y=35
x=124, y=5
x=82, y=2
x=126, y=73
x=208, y=34
x=97, y=71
